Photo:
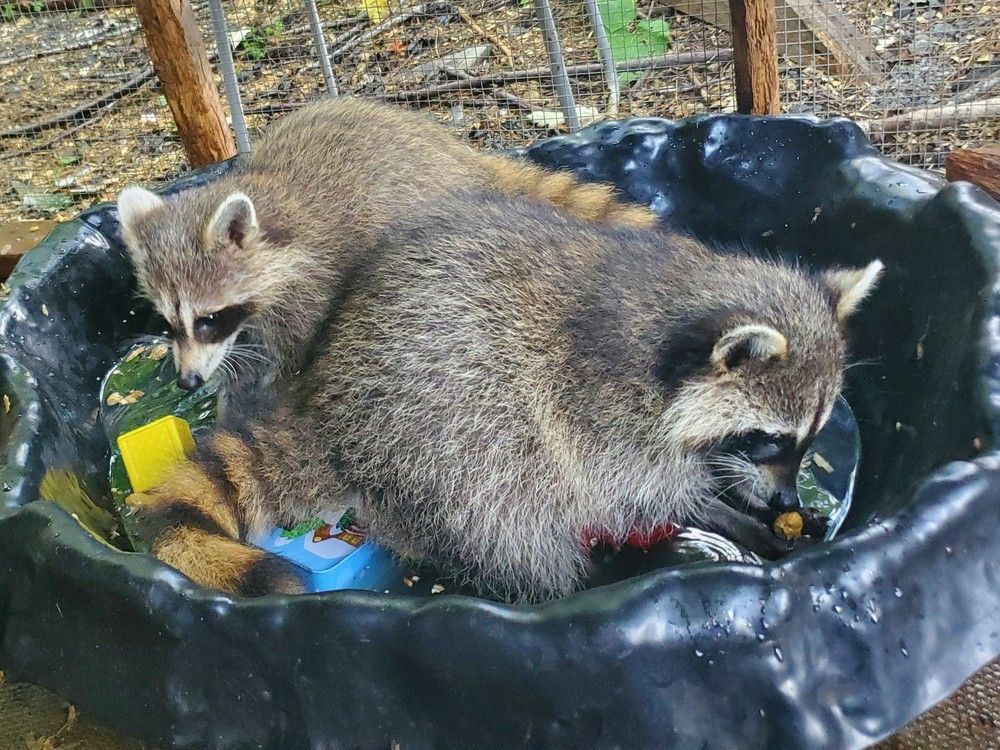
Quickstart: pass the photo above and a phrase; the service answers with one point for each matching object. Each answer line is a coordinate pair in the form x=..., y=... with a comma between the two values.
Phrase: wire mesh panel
x=483, y=66
x=921, y=76
x=82, y=113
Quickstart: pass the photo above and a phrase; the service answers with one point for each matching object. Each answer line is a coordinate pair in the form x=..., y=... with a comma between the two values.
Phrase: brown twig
x=63, y=135
x=500, y=92
x=499, y=43
x=928, y=118
x=72, y=46
x=510, y=76
x=387, y=24
x=84, y=111
x=984, y=87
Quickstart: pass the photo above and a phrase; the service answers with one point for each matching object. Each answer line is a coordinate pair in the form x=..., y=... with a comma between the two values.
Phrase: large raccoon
x=264, y=248
x=497, y=377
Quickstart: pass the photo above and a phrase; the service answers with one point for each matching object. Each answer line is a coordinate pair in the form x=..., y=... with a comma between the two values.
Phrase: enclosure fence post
x=604, y=53
x=755, y=54
x=228, y=68
x=557, y=63
x=177, y=50
x=320, y=41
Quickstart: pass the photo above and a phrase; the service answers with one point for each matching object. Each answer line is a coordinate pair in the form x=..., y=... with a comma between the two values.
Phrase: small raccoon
x=498, y=378
x=263, y=249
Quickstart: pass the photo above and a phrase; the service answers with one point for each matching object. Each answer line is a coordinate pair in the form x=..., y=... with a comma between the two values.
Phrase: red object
x=642, y=539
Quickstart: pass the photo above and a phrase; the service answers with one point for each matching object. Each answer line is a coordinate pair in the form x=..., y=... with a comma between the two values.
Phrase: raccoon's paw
x=270, y=575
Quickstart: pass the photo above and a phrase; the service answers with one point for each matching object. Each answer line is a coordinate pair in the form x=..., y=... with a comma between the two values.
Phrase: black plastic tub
x=833, y=648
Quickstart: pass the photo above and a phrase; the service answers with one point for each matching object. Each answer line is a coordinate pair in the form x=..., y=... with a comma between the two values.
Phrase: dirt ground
x=81, y=78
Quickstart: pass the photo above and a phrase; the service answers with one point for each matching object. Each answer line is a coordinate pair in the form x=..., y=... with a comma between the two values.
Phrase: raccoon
x=499, y=377
x=264, y=249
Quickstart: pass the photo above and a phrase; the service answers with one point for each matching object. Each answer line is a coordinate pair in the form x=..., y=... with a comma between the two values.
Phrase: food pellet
x=789, y=525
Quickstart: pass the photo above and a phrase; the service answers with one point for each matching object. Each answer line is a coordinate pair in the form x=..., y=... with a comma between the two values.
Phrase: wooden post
x=178, y=53
x=980, y=166
x=755, y=53
x=814, y=32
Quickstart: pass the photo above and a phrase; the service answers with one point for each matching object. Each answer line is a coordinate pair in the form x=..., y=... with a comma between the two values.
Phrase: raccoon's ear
x=748, y=343
x=849, y=288
x=233, y=220
x=134, y=203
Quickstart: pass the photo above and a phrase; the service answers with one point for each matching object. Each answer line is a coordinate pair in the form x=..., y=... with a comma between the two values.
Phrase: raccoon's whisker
x=870, y=362
x=227, y=367
x=730, y=487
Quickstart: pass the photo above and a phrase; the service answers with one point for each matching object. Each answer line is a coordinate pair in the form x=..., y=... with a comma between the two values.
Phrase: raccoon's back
x=455, y=336
x=347, y=146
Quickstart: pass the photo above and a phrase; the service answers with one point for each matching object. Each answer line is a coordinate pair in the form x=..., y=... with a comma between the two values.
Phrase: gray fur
x=490, y=386
x=319, y=187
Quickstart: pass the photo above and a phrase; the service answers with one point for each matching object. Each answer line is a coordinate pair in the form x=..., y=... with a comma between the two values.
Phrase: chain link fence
x=81, y=114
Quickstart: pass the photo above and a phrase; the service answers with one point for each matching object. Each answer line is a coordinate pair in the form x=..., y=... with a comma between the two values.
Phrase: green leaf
x=65, y=161
x=640, y=44
x=616, y=15
x=655, y=27
x=630, y=38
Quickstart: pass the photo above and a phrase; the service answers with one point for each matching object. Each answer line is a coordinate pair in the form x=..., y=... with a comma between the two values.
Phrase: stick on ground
x=929, y=118
x=497, y=42
x=511, y=76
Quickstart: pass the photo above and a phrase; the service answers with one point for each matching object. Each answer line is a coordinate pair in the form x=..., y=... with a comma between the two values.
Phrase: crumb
x=789, y=525
x=437, y=588
x=132, y=396
x=135, y=353
x=977, y=443
x=6, y=404
x=45, y=310
x=816, y=212
x=114, y=399
x=410, y=580
x=159, y=351
x=768, y=233
x=822, y=463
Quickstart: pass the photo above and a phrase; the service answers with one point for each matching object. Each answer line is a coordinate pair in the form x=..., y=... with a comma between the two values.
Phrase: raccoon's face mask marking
x=758, y=467
x=203, y=343
x=181, y=268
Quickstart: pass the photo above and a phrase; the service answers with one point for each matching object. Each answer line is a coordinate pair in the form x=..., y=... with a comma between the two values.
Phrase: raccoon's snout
x=784, y=499
x=190, y=381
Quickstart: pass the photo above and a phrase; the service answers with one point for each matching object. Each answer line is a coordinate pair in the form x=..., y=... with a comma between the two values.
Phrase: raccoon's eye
x=220, y=325
x=759, y=447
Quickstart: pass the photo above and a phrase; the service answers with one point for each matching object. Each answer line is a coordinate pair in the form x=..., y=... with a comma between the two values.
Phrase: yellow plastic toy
x=149, y=451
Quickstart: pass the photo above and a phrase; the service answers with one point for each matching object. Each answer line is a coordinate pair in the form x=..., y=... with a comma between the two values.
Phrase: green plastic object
x=139, y=389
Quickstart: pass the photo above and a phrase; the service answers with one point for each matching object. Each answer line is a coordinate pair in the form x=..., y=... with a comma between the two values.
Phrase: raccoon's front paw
x=270, y=575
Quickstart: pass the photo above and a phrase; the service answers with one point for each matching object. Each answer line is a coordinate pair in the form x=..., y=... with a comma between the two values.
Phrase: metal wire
x=78, y=78
x=228, y=69
x=606, y=56
x=557, y=63
x=316, y=26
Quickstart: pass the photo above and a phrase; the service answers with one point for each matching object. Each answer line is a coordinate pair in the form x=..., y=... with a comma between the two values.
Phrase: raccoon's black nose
x=190, y=381
x=784, y=500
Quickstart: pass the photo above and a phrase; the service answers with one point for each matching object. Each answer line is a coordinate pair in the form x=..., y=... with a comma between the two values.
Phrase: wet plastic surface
x=834, y=647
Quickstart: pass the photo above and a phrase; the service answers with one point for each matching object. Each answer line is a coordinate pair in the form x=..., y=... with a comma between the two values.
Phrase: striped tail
x=588, y=200
x=198, y=518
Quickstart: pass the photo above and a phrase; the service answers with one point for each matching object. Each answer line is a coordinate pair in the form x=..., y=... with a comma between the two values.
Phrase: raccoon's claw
x=745, y=530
